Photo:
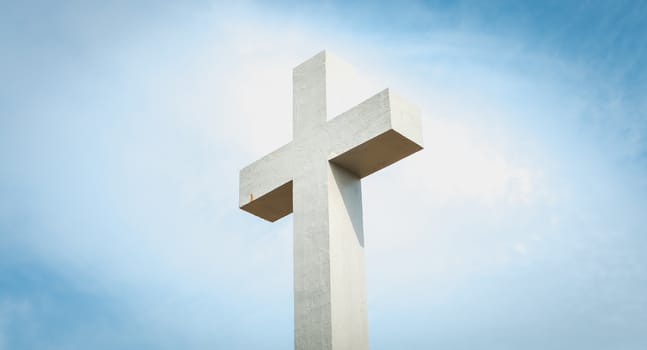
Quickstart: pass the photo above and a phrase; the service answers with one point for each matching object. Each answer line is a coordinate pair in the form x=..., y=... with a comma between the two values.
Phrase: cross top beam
x=376, y=133
x=317, y=176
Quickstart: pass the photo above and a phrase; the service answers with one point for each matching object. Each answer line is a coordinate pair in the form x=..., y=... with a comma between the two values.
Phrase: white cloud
x=460, y=164
x=521, y=248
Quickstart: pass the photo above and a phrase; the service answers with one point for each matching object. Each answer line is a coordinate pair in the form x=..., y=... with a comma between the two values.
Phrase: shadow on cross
x=350, y=187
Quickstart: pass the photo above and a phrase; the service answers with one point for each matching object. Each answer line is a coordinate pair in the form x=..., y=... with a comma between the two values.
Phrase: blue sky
x=124, y=124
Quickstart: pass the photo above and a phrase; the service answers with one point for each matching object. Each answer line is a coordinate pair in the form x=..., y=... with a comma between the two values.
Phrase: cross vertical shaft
x=309, y=110
x=330, y=305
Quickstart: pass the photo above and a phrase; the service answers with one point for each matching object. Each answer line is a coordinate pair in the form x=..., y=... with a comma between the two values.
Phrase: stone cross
x=317, y=176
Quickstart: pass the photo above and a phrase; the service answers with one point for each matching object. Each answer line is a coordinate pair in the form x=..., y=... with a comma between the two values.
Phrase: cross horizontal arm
x=266, y=185
x=376, y=133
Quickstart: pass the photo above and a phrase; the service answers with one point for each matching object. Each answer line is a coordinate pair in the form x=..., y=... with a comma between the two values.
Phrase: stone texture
x=317, y=177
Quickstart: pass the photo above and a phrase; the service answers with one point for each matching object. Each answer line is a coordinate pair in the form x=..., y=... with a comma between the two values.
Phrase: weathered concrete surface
x=317, y=176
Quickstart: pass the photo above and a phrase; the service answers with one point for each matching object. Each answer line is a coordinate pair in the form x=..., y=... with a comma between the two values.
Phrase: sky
x=123, y=126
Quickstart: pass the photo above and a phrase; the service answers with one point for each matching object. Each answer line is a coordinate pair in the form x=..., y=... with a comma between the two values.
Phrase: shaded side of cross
x=317, y=176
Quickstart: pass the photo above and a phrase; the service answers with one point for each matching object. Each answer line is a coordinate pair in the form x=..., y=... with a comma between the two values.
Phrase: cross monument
x=317, y=177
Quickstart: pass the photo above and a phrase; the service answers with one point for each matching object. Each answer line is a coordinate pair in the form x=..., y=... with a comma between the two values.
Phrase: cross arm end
x=266, y=186
x=392, y=130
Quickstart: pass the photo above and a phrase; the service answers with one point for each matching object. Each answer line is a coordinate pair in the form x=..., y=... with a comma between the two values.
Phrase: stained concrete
x=317, y=177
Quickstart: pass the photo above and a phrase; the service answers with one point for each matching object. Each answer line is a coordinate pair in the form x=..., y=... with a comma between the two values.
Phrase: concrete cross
x=317, y=176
